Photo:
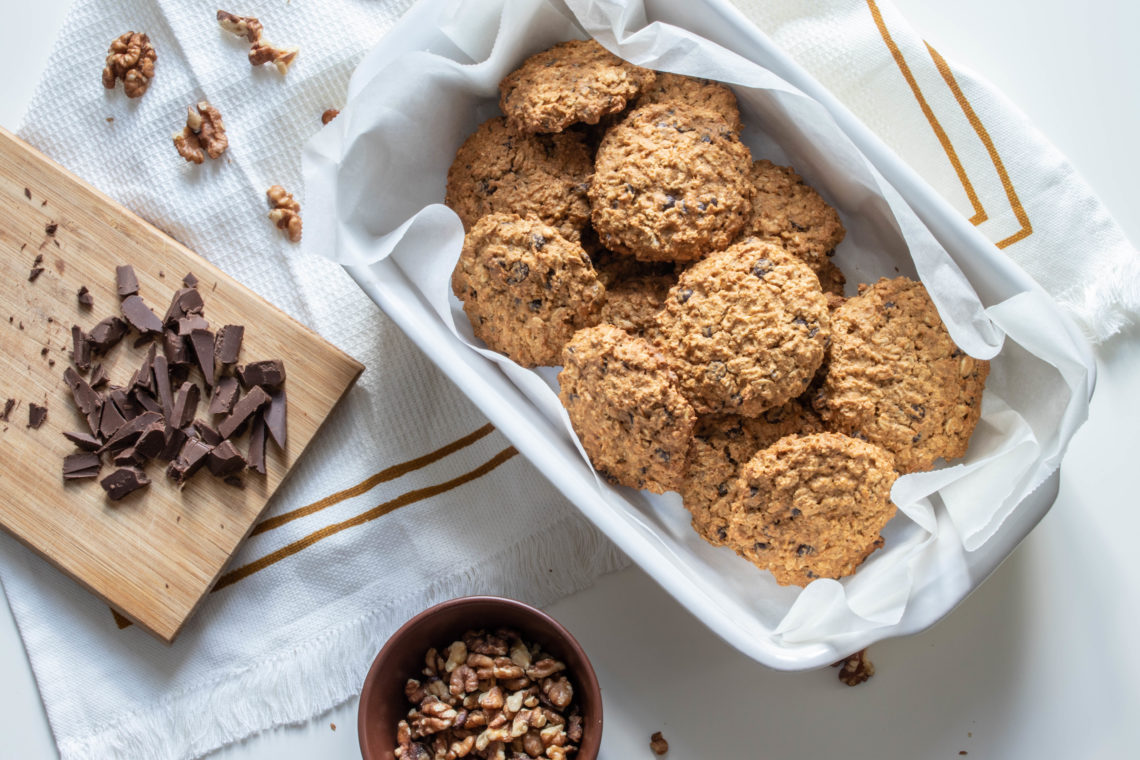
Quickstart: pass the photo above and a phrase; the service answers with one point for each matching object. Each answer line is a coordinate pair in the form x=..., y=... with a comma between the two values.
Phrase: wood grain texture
x=154, y=555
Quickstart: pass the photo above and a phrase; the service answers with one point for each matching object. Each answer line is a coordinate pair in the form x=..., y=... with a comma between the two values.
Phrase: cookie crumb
x=658, y=744
x=856, y=669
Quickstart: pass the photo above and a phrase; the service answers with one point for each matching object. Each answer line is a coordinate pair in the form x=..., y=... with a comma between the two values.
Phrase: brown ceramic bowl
x=382, y=701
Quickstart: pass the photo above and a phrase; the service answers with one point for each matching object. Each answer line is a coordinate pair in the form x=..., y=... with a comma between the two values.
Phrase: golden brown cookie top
x=745, y=329
x=632, y=303
x=704, y=93
x=525, y=288
x=575, y=81
x=897, y=379
x=501, y=170
x=812, y=506
x=624, y=405
x=670, y=184
x=721, y=444
x=788, y=209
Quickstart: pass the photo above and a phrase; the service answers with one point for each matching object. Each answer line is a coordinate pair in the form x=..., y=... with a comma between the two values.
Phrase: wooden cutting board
x=154, y=555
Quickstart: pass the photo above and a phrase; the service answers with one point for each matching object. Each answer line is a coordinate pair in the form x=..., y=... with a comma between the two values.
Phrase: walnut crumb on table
x=285, y=212
x=204, y=134
x=855, y=669
x=658, y=744
x=131, y=58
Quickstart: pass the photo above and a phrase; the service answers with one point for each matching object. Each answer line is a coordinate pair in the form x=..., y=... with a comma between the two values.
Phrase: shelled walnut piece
x=285, y=212
x=490, y=695
x=131, y=58
x=260, y=50
x=204, y=134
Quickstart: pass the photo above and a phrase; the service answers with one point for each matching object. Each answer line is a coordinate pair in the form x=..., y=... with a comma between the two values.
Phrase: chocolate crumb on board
x=27, y=193
x=36, y=272
x=36, y=415
x=855, y=669
x=50, y=228
x=8, y=406
x=85, y=298
x=658, y=744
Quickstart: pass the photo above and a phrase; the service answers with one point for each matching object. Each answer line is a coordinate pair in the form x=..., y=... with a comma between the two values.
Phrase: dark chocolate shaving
x=7, y=409
x=128, y=457
x=36, y=272
x=124, y=481
x=243, y=410
x=225, y=395
x=85, y=298
x=107, y=333
x=266, y=374
x=203, y=343
x=139, y=315
x=228, y=344
x=36, y=415
x=185, y=405
x=84, y=441
x=126, y=284
x=84, y=464
x=225, y=459
x=275, y=417
x=256, y=455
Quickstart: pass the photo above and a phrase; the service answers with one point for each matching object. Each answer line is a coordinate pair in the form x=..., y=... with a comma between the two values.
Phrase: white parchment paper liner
x=375, y=178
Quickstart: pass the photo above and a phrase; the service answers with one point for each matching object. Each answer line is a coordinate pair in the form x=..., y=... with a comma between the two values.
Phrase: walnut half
x=203, y=135
x=285, y=212
x=260, y=49
x=131, y=58
x=855, y=669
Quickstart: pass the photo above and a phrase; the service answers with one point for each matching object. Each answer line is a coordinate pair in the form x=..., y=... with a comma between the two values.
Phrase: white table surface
x=1038, y=663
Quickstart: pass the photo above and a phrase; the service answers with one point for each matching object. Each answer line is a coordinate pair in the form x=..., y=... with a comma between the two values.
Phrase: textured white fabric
x=296, y=637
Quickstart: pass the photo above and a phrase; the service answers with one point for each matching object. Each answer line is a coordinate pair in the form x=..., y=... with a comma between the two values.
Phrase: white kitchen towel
x=406, y=497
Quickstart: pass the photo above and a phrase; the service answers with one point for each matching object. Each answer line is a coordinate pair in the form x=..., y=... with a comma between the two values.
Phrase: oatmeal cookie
x=897, y=379
x=676, y=88
x=625, y=407
x=788, y=209
x=632, y=303
x=721, y=444
x=812, y=506
x=745, y=329
x=575, y=81
x=501, y=170
x=525, y=288
x=670, y=184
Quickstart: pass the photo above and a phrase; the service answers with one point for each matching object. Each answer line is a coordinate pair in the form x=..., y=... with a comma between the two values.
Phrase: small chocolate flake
x=174, y=347
x=207, y=433
x=253, y=401
x=139, y=315
x=27, y=193
x=36, y=272
x=124, y=481
x=162, y=388
x=126, y=283
x=228, y=345
x=275, y=419
x=36, y=415
x=224, y=459
x=190, y=280
x=190, y=323
x=203, y=344
x=99, y=376
x=256, y=455
x=85, y=298
x=84, y=464
x=38, y=260
x=225, y=395
x=7, y=409
x=80, y=349
x=267, y=374
x=50, y=228
x=186, y=405
x=110, y=421
x=151, y=440
x=190, y=459
x=84, y=441
x=128, y=457
x=105, y=335
x=129, y=432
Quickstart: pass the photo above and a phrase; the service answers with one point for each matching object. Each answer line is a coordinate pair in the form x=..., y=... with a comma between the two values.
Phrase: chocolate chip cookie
x=676, y=88
x=670, y=184
x=788, y=209
x=745, y=329
x=721, y=444
x=897, y=379
x=501, y=170
x=625, y=407
x=575, y=81
x=525, y=287
x=812, y=506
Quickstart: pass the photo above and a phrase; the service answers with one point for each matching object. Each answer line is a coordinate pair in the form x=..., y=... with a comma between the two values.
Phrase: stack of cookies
x=617, y=226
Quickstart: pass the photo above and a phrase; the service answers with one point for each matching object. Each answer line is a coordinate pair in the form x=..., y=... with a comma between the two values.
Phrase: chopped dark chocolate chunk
x=225, y=394
x=36, y=272
x=275, y=417
x=107, y=333
x=110, y=421
x=151, y=440
x=190, y=460
x=256, y=455
x=144, y=378
x=126, y=405
x=143, y=339
x=174, y=346
x=243, y=410
x=175, y=440
x=185, y=405
x=146, y=401
x=84, y=464
x=203, y=343
x=7, y=409
x=128, y=457
x=207, y=433
x=266, y=374
x=126, y=284
x=95, y=419
x=99, y=376
x=228, y=345
x=80, y=349
x=190, y=323
x=85, y=298
x=162, y=384
x=86, y=399
x=225, y=459
x=185, y=301
x=36, y=415
x=84, y=441
x=124, y=481
x=139, y=315
x=190, y=280
x=129, y=431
